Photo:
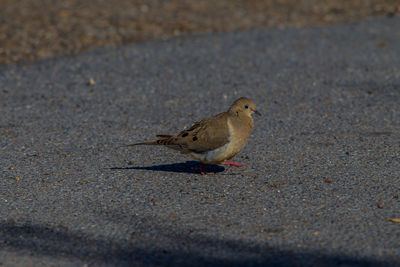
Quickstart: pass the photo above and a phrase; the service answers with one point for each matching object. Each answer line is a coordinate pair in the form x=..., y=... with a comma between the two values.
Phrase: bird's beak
x=256, y=112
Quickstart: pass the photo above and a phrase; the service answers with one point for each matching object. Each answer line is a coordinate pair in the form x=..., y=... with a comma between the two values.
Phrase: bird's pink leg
x=230, y=164
x=203, y=169
x=236, y=164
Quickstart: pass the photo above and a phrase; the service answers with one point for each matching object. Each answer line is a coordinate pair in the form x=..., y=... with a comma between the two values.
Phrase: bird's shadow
x=182, y=167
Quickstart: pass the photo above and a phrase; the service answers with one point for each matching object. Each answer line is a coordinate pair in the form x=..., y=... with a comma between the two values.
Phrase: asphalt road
x=322, y=179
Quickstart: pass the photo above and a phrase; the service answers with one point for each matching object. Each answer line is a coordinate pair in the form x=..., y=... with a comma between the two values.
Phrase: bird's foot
x=230, y=164
x=205, y=173
x=236, y=164
x=203, y=170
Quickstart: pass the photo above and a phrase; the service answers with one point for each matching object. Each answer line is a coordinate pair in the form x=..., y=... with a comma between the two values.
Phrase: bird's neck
x=242, y=120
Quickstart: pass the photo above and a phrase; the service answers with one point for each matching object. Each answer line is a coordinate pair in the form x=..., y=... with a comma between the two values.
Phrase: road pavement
x=322, y=182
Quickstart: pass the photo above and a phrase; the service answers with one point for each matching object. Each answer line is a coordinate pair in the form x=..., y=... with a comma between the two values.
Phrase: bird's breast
x=236, y=142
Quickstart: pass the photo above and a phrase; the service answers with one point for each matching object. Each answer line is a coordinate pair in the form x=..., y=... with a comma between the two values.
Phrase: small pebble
x=91, y=82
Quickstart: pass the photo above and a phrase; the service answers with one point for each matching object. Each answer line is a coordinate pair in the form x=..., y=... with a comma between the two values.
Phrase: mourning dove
x=216, y=139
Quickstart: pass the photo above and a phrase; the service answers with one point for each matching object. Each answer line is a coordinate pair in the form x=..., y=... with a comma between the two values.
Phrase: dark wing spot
x=194, y=138
x=185, y=134
x=194, y=126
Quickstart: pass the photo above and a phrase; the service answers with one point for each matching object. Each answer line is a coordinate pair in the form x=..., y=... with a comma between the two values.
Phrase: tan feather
x=215, y=139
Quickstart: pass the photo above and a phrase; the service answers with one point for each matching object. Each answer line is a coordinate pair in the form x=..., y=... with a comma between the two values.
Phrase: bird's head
x=244, y=105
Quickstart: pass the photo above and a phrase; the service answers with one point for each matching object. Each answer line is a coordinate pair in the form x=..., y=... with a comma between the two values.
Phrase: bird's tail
x=154, y=143
x=160, y=142
x=163, y=136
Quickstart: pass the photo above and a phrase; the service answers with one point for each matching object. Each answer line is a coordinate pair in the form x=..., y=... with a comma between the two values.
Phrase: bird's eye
x=246, y=106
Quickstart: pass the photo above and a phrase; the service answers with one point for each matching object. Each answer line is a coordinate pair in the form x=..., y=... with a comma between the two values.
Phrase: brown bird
x=216, y=139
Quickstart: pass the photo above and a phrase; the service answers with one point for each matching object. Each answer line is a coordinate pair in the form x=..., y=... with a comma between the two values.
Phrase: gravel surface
x=37, y=29
x=321, y=186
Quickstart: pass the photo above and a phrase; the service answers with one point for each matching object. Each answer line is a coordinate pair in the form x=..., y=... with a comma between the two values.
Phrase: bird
x=213, y=140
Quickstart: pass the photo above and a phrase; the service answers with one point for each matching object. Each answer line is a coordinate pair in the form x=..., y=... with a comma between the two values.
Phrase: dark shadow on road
x=183, y=167
x=180, y=249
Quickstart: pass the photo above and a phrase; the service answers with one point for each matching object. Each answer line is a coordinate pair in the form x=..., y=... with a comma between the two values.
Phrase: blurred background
x=37, y=29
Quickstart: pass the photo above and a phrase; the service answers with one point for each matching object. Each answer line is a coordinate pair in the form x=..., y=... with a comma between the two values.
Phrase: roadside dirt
x=31, y=30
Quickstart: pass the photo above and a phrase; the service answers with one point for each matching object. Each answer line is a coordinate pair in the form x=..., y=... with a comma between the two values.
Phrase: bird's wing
x=204, y=135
